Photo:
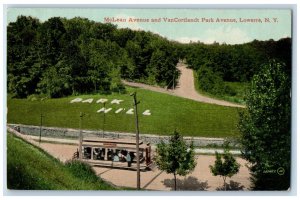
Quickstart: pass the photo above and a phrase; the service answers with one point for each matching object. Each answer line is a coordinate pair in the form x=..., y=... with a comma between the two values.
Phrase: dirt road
x=185, y=88
x=200, y=179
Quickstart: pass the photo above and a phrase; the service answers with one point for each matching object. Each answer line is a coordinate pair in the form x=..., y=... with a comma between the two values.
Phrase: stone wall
x=73, y=133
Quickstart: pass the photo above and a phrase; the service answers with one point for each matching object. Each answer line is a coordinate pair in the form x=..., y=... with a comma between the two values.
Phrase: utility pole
x=173, y=81
x=135, y=103
x=80, y=136
x=41, y=119
x=41, y=124
x=103, y=125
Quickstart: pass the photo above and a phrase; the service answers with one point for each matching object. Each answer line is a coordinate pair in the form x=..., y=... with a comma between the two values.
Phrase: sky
x=207, y=31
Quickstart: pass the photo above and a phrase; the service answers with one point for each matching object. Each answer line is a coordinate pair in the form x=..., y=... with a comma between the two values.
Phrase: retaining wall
x=74, y=133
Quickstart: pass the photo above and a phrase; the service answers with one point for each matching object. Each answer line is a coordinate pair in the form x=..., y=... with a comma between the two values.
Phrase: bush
x=36, y=97
x=213, y=83
x=209, y=81
x=118, y=87
x=229, y=90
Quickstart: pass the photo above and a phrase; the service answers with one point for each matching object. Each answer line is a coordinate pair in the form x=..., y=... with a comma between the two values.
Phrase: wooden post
x=138, y=183
x=41, y=120
x=103, y=125
x=80, y=136
x=41, y=124
x=173, y=81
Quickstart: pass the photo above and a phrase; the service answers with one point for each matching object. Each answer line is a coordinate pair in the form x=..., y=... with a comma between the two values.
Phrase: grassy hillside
x=30, y=168
x=168, y=113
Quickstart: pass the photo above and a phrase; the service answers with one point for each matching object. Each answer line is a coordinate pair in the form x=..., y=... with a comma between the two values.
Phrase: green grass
x=30, y=168
x=189, y=117
x=238, y=87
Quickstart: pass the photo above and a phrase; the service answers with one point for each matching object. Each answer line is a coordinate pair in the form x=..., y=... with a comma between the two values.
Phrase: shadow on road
x=189, y=184
x=232, y=186
x=146, y=185
x=104, y=172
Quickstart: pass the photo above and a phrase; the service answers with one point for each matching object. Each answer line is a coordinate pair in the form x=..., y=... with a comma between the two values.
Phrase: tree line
x=61, y=57
x=217, y=63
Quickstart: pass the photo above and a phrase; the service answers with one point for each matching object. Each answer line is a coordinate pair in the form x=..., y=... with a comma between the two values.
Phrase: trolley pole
x=135, y=103
x=80, y=136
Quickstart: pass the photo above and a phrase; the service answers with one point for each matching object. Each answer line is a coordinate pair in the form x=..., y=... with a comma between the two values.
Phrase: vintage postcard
x=149, y=99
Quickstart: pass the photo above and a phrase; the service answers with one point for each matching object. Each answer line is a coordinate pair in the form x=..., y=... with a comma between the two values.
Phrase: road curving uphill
x=185, y=88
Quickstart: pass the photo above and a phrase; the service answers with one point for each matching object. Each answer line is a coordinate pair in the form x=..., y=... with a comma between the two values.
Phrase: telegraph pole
x=135, y=103
x=173, y=81
x=80, y=136
x=41, y=119
x=41, y=124
x=103, y=125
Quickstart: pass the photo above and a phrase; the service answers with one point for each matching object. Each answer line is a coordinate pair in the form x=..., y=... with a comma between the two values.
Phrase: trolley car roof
x=112, y=143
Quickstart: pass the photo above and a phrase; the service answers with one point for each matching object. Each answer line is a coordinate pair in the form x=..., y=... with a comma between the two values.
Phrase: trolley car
x=115, y=153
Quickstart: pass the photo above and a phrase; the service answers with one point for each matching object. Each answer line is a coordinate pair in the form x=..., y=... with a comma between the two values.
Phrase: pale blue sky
x=231, y=33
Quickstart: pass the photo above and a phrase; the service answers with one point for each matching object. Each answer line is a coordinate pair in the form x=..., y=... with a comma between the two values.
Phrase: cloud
x=188, y=39
x=221, y=34
x=285, y=35
x=228, y=35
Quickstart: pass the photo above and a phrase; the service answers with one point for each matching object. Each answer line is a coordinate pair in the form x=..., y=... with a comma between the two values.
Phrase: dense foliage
x=233, y=63
x=175, y=157
x=266, y=128
x=212, y=82
x=60, y=57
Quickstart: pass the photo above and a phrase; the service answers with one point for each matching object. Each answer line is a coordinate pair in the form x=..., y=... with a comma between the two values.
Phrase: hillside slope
x=168, y=112
x=30, y=168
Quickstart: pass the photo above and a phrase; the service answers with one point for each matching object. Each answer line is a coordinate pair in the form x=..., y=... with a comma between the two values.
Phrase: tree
x=210, y=81
x=55, y=82
x=162, y=65
x=51, y=40
x=23, y=68
x=266, y=128
x=225, y=165
x=116, y=83
x=176, y=156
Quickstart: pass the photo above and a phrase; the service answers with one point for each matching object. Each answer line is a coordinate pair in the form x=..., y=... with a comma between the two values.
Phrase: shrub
x=209, y=81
